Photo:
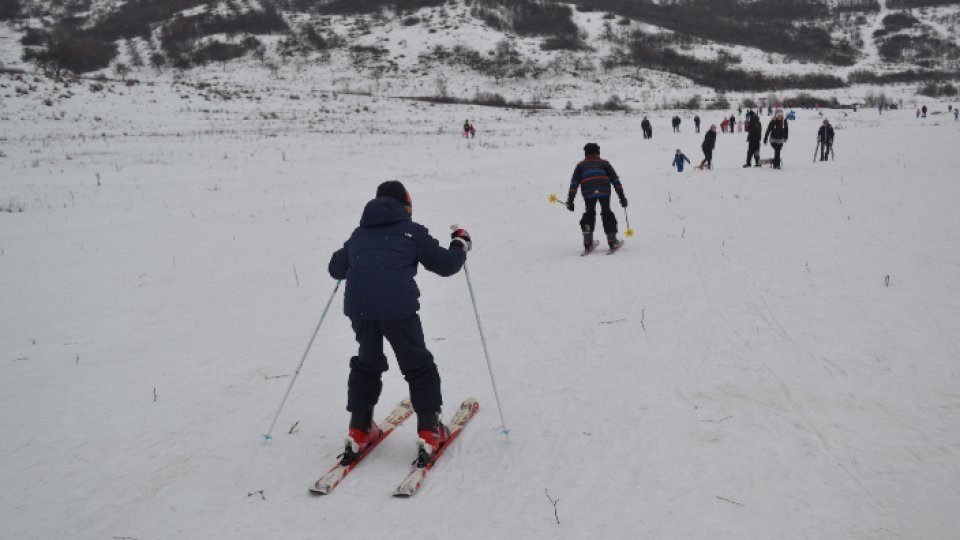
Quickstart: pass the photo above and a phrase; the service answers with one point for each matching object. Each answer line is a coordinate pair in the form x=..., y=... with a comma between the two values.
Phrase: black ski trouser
x=753, y=151
x=776, y=154
x=707, y=156
x=416, y=364
x=589, y=220
x=825, y=151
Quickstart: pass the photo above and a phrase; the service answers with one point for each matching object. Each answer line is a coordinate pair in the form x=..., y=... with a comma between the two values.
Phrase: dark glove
x=462, y=238
x=570, y=205
x=623, y=202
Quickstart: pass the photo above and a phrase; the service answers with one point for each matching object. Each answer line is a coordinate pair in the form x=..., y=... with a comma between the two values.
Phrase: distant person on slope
x=825, y=138
x=595, y=178
x=647, y=128
x=777, y=134
x=678, y=160
x=754, y=134
x=709, y=142
x=696, y=123
x=379, y=262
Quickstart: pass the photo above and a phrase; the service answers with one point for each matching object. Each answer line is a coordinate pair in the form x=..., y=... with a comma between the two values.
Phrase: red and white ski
x=336, y=474
x=616, y=248
x=412, y=482
x=587, y=251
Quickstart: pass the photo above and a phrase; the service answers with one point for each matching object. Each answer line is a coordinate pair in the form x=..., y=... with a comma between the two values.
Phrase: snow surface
x=773, y=354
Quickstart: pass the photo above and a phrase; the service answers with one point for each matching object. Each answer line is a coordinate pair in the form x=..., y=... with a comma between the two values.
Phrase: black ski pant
x=415, y=361
x=589, y=220
x=776, y=154
x=753, y=151
x=825, y=151
x=707, y=156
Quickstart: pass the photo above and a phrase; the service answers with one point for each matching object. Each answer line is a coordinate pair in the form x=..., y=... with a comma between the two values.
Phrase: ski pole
x=267, y=436
x=483, y=340
x=629, y=231
x=815, y=150
x=553, y=198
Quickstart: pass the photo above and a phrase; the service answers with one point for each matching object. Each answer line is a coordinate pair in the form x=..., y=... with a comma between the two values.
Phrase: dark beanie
x=395, y=190
x=591, y=149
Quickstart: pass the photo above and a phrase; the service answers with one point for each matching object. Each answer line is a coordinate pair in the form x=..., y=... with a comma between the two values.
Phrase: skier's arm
x=437, y=259
x=786, y=130
x=686, y=158
x=339, y=263
x=574, y=183
x=615, y=180
x=766, y=136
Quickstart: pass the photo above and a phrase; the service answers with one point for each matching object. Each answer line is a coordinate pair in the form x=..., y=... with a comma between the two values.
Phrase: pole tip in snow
x=267, y=437
x=629, y=233
x=553, y=198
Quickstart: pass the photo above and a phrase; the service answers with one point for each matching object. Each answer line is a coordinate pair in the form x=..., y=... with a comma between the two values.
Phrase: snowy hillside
x=645, y=53
x=772, y=355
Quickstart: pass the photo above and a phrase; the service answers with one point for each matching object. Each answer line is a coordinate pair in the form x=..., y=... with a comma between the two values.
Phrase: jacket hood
x=383, y=211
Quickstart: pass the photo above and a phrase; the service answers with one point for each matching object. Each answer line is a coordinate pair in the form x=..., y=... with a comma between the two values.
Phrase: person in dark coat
x=709, y=142
x=379, y=262
x=754, y=134
x=777, y=134
x=596, y=179
x=696, y=123
x=825, y=138
x=647, y=128
x=733, y=123
x=676, y=124
x=924, y=111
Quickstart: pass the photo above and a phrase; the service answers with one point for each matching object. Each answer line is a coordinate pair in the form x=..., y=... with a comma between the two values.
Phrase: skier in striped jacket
x=596, y=180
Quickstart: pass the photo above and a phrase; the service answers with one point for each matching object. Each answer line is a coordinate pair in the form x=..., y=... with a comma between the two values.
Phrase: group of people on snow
x=776, y=135
x=469, y=132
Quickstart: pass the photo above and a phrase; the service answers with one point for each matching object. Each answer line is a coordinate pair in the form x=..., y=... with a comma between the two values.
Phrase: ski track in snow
x=740, y=369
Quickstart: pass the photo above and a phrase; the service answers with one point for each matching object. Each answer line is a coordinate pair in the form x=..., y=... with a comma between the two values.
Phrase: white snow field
x=773, y=354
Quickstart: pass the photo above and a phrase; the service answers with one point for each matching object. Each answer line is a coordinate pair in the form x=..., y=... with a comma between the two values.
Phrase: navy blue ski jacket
x=380, y=260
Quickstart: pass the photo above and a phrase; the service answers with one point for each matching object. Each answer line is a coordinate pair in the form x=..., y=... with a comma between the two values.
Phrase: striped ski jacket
x=594, y=177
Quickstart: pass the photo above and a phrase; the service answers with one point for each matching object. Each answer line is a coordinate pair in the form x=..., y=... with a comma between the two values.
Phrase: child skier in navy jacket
x=678, y=160
x=379, y=263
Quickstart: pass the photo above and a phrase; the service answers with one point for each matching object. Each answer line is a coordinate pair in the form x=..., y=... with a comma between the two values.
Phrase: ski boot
x=612, y=241
x=587, y=241
x=431, y=437
x=359, y=439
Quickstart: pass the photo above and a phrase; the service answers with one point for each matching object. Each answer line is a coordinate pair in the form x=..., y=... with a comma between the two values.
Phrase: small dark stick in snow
x=886, y=280
x=554, y=503
x=252, y=493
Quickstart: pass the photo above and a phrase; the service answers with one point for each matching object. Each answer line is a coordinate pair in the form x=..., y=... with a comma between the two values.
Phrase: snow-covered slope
x=772, y=355
x=405, y=40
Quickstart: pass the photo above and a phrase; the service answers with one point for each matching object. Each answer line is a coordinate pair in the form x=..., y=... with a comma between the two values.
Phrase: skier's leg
x=588, y=222
x=609, y=221
x=364, y=384
x=776, y=154
x=417, y=365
